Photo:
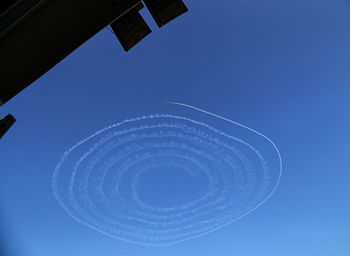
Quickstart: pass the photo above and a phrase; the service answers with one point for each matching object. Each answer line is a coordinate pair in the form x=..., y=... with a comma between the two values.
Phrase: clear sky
x=279, y=67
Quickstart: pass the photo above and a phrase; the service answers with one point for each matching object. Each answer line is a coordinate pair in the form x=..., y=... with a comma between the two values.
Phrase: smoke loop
x=98, y=180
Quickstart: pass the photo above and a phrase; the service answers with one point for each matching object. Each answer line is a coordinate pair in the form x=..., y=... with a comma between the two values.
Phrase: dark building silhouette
x=35, y=35
x=5, y=124
x=131, y=28
x=163, y=11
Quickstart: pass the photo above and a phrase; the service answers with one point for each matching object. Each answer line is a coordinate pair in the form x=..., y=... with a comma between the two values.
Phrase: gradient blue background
x=280, y=67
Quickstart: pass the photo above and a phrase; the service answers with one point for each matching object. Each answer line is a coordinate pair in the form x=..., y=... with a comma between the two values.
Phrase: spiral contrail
x=97, y=181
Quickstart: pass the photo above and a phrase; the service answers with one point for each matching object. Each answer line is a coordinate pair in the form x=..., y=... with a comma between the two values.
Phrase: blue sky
x=280, y=67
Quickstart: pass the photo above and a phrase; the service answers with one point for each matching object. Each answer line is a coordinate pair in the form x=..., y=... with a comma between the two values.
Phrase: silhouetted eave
x=49, y=32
